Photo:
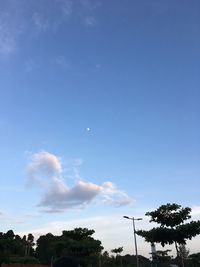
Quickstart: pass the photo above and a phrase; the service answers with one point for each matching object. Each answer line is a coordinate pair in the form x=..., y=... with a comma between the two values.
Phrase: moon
x=88, y=129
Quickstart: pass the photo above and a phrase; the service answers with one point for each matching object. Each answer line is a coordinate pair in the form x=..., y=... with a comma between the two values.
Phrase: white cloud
x=45, y=169
x=195, y=211
x=44, y=166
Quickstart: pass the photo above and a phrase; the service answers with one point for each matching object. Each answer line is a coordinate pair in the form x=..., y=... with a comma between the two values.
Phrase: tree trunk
x=177, y=252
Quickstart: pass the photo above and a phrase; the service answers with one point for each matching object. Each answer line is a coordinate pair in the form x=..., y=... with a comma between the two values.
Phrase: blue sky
x=127, y=71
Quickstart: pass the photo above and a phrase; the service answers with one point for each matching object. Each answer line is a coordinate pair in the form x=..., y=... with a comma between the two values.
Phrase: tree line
x=81, y=244
x=78, y=243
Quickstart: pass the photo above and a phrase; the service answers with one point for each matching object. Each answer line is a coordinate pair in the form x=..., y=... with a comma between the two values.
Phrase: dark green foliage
x=78, y=243
x=12, y=247
x=130, y=260
x=105, y=259
x=172, y=229
x=166, y=235
x=24, y=260
x=169, y=215
x=194, y=260
x=45, y=248
x=126, y=261
x=163, y=258
x=117, y=250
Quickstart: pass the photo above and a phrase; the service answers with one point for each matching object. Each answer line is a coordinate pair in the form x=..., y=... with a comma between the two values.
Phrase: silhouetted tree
x=78, y=242
x=163, y=258
x=194, y=259
x=105, y=258
x=118, y=251
x=45, y=249
x=173, y=228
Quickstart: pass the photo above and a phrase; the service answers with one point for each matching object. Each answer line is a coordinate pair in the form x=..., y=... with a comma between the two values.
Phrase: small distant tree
x=105, y=258
x=163, y=257
x=29, y=244
x=118, y=251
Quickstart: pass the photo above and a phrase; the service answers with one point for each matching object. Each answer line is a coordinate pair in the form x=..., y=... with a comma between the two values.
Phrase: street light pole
x=134, y=233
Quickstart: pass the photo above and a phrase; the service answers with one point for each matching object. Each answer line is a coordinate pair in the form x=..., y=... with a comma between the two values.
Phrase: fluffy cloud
x=45, y=169
x=44, y=165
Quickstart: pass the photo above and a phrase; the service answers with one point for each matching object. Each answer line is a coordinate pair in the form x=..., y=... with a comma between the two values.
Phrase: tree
x=183, y=253
x=118, y=251
x=78, y=243
x=195, y=259
x=30, y=244
x=162, y=257
x=46, y=248
x=13, y=247
x=173, y=228
x=105, y=258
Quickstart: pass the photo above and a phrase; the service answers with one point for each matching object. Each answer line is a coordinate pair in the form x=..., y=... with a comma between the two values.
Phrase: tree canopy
x=78, y=242
x=173, y=227
x=117, y=250
x=12, y=246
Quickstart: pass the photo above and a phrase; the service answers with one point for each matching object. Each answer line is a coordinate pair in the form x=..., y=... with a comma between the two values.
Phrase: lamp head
x=126, y=217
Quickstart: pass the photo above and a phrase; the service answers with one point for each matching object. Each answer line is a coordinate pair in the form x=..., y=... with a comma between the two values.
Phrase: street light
x=134, y=232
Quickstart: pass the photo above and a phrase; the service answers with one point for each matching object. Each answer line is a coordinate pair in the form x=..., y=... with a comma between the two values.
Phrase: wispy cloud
x=90, y=21
x=46, y=170
x=66, y=7
x=40, y=23
x=90, y=5
x=8, y=35
x=30, y=65
x=18, y=18
x=61, y=62
x=8, y=220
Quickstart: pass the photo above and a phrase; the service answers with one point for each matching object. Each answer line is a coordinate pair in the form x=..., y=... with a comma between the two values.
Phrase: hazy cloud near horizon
x=45, y=170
